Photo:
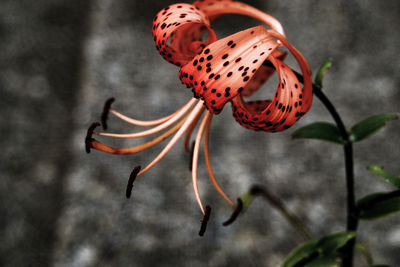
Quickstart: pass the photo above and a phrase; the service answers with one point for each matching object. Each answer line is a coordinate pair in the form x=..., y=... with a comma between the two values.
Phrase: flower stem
x=277, y=203
x=352, y=220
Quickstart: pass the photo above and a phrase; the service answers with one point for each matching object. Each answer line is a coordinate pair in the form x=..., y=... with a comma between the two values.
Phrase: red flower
x=220, y=71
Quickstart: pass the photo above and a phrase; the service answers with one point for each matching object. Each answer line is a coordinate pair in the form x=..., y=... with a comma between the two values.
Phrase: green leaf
x=320, y=130
x=378, y=205
x=369, y=126
x=365, y=252
x=302, y=252
x=394, y=180
x=317, y=251
x=321, y=73
x=335, y=241
x=324, y=261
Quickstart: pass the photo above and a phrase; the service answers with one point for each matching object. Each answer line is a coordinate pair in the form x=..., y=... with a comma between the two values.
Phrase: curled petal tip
x=132, y=178
x=88, y=138
x=235, y=213
x=204, y=222
x=106, y=109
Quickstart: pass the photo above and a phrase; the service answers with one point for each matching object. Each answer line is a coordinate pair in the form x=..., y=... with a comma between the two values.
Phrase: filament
x=189, y=134
x=195, y=159
x=151, y=122
x=132, y=150
x=156, y=129
x=208, y=164
x=198, y=109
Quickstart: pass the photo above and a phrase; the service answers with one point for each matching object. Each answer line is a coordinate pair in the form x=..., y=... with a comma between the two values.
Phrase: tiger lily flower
x=218, y=71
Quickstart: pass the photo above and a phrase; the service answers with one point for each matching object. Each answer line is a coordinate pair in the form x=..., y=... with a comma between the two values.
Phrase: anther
x=191, y=156
x=132, y=178
x=89, y=139
x=106, y=109
x=235, y=213
x=205, y=220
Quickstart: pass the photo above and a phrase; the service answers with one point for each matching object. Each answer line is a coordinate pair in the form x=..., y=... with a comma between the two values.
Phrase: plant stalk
x=352, y=220
x=277, y=203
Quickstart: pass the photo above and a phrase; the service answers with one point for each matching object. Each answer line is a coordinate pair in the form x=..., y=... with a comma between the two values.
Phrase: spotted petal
x=224, y=68
x=215, y=8
x=178, y=32
x=262, y=74
x=289, y=103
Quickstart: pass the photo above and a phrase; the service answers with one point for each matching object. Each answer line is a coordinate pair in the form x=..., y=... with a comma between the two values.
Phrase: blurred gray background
x=62, y=207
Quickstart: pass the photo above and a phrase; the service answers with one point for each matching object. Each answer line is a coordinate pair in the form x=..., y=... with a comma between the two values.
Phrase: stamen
x=189, y=134
x=89, y=139
x=235, y=213
x=155, y=129
x=152, y=122
x=106, y=109
x=208, y=165
x=132, y=178
x=196, y=157
x=204, y=222
x=132, y=150
x=199, y=108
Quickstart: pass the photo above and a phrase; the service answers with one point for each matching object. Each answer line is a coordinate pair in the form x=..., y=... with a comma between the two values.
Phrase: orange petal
x=185, y=25
x=289, y=103
x=225, y=67
x=278, y=114
x=215, y=8
x=262, y=74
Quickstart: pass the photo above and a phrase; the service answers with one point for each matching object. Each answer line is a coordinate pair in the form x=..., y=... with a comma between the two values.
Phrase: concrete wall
x=59, y=206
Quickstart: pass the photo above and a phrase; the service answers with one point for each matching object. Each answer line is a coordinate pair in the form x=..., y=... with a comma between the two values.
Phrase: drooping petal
x=275, y=115
x=224, y=68
x=215, y=8
x=178, y=32
x=305, y=70
x=289, y=103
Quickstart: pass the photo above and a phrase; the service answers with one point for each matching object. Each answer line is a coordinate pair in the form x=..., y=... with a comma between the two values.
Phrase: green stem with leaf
x=278, y=204
x=352, y=220
x=370, y=207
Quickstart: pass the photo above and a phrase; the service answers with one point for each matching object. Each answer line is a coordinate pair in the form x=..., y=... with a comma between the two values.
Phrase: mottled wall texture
x=59, y=61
